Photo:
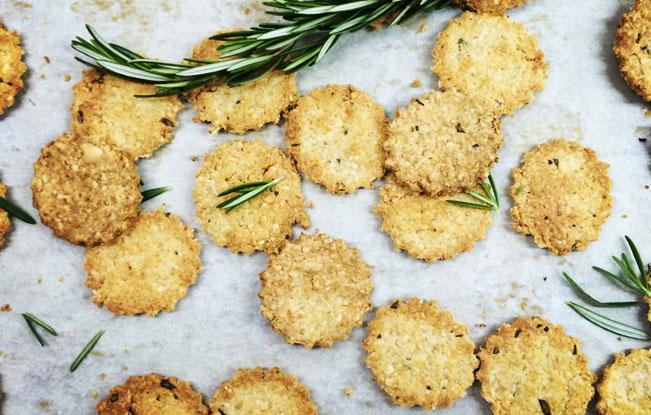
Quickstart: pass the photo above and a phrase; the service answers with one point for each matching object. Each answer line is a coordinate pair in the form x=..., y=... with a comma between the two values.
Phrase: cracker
x=561, y=196
x=419, y=354
x=245, y=107
x=625, y=385
x=106, y=111
x=262, y=223
x=152, y=394
x=490, y=6
x=4, y=217
x=262, y=391
x=443, y=143
x=12, y=67
x=147, y=269
x=316, y=290
x=632, y=47
x=85, y=193
x=335, y=134
x=492, y=59
x=430, y=228
x=531, y=366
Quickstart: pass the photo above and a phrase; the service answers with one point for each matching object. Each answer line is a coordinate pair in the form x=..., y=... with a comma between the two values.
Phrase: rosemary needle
x=33, y=321
x=16, y=211
x=487, y=201
x=155, y=192
x=86, y=350
x=245, y=192
x=608, y=324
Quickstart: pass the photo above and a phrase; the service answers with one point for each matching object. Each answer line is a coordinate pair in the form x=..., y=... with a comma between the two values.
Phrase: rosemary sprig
x=86, y=350
x=16, y=211
x=307, y=31
x=155, y=192
x=609, y=324
x=244, y=192
x=33, y=321
x=487, y=201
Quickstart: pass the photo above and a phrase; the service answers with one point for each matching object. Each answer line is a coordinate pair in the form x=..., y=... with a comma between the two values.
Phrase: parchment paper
x=218, y=328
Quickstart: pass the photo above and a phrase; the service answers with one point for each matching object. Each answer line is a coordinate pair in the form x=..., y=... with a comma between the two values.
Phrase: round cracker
x=4, y=217
x=12, y=67
x=106, y=111
x=316, y=290
x=240, y=108
x=430, y=228
x=632, y=47
x=443, y=143
x=152, y=394
x=531, y=366
x=561, y=196
x=87, y=194
x=419, y=354
x=147, y=269
x=625, y=385
x=262, y=391
x=335, y=134
x=492, y=59
x=490, y=6
x=262, y=223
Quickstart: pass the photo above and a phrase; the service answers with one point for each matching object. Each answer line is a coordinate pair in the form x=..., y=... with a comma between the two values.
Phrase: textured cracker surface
x=262, y=391
x=632, y=48
x=85, y=193
x=442, y=143
x=105, y=111
x=335, y=134
x=561, y=196
x=12, y=67
x=244, y=107
x=625, y=387
x=429, y=228
x=316, y=290
x=262, y=223
x=147, y=269
x=419, y=354
x=152, y=394
x=532, y=364
x=4, y=217
x=490, y=58
x=490, y=6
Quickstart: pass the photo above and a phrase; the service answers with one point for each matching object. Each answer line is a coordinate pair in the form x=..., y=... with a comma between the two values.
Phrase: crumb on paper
x=624, y=216
x=480, y=325
x=544, y=278
x=125, y=350
x=46, y=59
x=246, y=11
x=22, y=4
x=524, y=304
x=2, y=353
x=67, y=77
x=31, y=101
x=348, y=391
x=97, y=354
x=311, y=205
x=423, y=28
x=647, y=113
x=94, y=393
x=44, y=404
x=5, y=308
x=62, y=279
x=194, y=158
x=416, y=83
x=39, y=281
x=41, y=76
x=102, y=376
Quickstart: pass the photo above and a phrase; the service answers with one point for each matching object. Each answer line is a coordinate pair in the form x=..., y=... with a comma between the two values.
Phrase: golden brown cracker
x=419, y=354
x=4, y=217
x=632, y=47
x=152, y=394
x=490, y=58
x=625, y=387
x=240, y=108
x=335, y=134
x=490, y=6
x=87, y=194
x=316, y=290
x=443, y=143
x=106, y=111
x=147, y=269
x=262, y=391
x=531, y=366
x=12, y=67
x=561, y=196
x=262, y=223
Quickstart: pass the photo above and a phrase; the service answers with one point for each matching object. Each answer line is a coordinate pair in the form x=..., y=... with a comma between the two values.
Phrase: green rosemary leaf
x=495, y=192
x=608, y=324
x=132, y=73
x=489, y=200
x=40, y=339
x=616, y=278
x=152, y=193
x=243, y=188
x=627, y=272
x=638, y=261
x=35, y=320
x=469, y=204
x=594, y=302
x=86, y=350
x=16, y=211
x=250, y=193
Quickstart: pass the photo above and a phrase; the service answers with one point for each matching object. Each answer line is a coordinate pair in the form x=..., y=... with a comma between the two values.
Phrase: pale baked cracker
x=419, y=354
x=106, y=111
x=443, y=143
x=4, y=217
x=532, y=367
x=632, y=47
x=87, y=194
x=561, y=196
x=262, y=391
x=625, y=387
x=490, y=6
x=262, y=223
x=147, y=269
x=12, y=67
x=335, y=134
x=316, y=290
x=240, y=108
x=430, y=228
x=491, y=58
x=152, y=394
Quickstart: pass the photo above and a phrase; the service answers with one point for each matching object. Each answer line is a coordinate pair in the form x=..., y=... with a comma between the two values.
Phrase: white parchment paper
x=218, y=328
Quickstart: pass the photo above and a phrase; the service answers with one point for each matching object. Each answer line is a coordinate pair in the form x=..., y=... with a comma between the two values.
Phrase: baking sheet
x=218, y=328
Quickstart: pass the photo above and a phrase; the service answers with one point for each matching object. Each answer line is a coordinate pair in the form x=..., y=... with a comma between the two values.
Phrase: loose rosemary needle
x=86, y=350
x=33, y=321
x=245, y=192
x=16, y=211
x=488, y=201
x=152, y=193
